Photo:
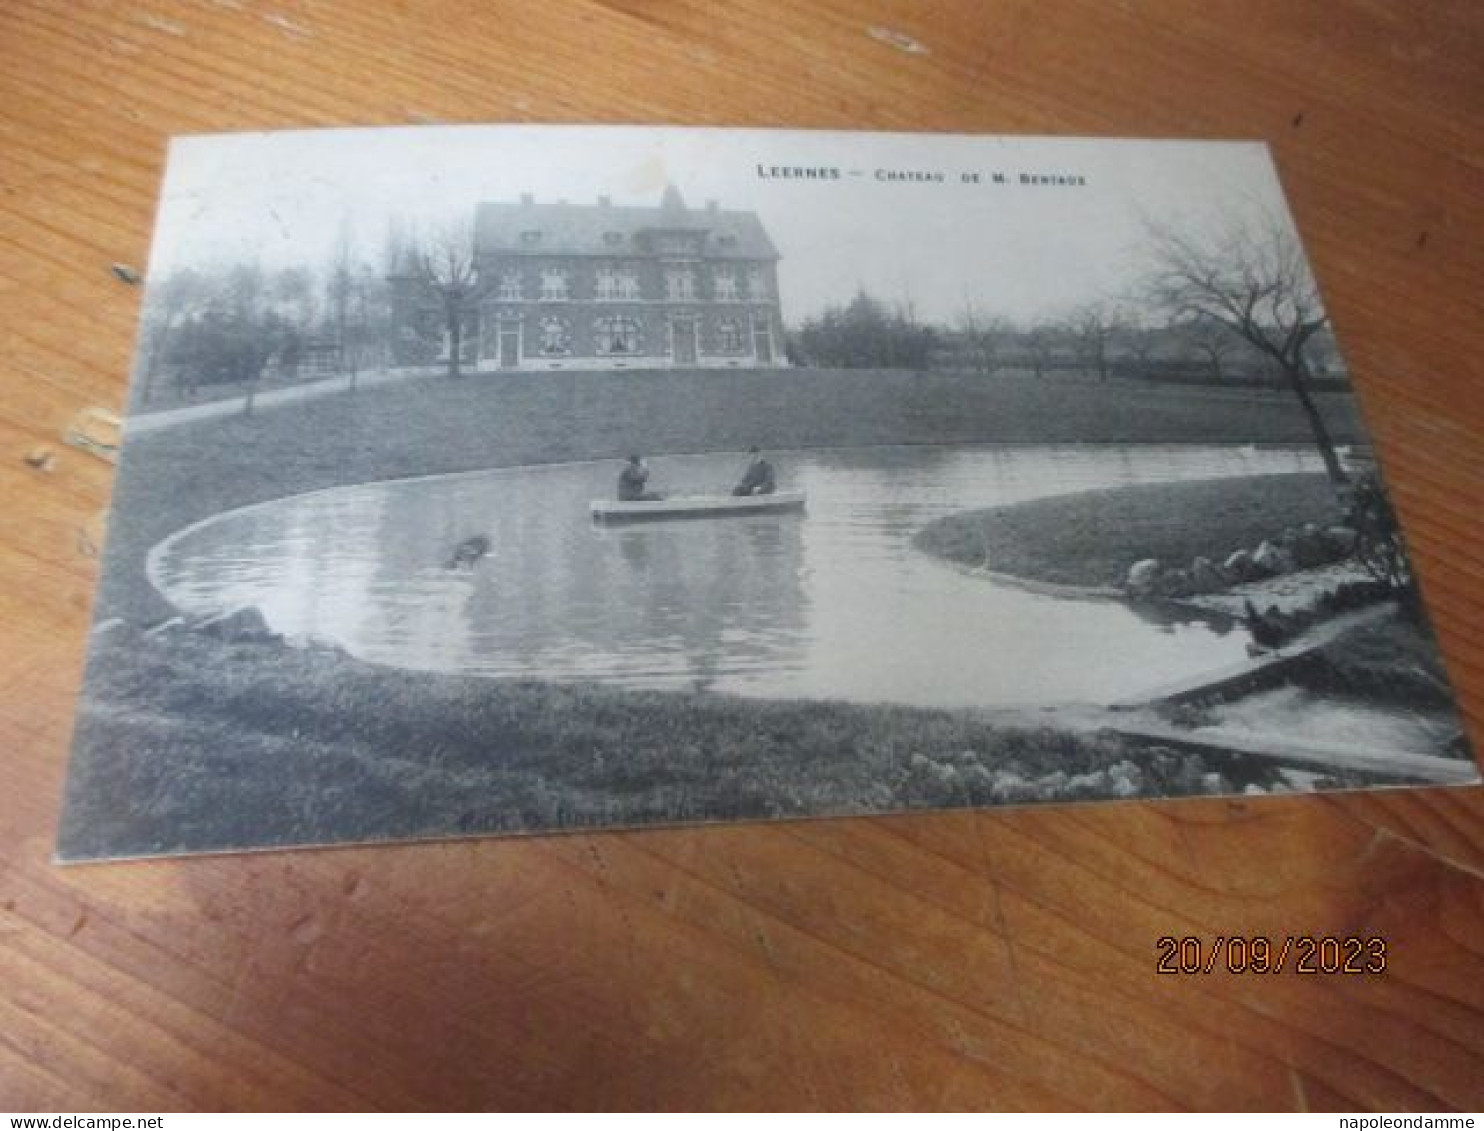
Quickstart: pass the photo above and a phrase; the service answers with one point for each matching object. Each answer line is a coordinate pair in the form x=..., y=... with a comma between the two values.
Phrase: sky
x=1020, y=250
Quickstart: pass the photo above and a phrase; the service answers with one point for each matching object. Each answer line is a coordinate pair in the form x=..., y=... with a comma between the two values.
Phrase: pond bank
x=1088, y=541
x=223, y=742
x=1377, y=657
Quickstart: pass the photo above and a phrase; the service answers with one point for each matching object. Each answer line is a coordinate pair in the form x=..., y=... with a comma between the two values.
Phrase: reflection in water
x=832, y=603
x=1167, y=618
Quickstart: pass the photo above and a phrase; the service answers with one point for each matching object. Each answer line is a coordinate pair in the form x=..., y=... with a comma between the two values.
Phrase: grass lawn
x=1092, y=538
x=189, y=744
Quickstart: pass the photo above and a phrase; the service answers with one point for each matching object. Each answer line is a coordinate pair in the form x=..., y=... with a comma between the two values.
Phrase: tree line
x=1243, y=294
x=237, y=323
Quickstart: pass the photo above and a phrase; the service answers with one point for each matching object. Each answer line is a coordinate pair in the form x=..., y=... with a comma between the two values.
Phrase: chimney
x=527, y=198
x=604, y=202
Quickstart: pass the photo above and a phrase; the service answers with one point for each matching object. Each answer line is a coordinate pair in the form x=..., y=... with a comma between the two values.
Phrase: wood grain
x=984, y=960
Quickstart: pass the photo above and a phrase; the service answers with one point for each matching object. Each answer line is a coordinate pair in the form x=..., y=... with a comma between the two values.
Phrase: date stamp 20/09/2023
x=1265, y=954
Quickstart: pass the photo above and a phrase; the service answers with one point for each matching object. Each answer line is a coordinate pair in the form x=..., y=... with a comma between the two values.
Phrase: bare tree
x=345, y=302
x=236, y=345
x=1093, y=328
x=362, y=316
x=444, y=262
x=1254, y=280
x=984, y=337
x=1138, y=344
x=291, y=296
x=171, y=300
x=1040, y=342
x=1212, y=340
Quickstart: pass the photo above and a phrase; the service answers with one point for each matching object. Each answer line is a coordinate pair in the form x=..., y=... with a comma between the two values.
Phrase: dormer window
x=726, y=240
x=530, y=237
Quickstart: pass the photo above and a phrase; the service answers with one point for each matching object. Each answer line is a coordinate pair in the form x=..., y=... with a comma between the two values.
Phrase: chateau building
x=577, y=286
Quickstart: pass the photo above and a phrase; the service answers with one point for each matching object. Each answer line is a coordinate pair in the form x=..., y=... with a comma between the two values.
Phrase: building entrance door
x=683, y=330
x=509, y=345
x=762, y=342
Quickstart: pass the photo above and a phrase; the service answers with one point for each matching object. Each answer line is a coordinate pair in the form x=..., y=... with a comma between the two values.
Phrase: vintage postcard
x=521, y=479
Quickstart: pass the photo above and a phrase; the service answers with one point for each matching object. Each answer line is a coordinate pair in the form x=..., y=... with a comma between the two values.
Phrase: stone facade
x=564, y=286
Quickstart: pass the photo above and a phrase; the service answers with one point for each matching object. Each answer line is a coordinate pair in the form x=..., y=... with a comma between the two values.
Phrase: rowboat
x=696, y=506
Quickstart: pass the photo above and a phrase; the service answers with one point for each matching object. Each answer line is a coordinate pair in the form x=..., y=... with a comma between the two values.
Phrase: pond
x=831, y=603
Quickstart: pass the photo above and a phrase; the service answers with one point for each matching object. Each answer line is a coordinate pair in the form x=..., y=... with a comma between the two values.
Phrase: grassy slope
x=1395, y=662
x=190, y=745
x=1093, y=538
x=439, y=425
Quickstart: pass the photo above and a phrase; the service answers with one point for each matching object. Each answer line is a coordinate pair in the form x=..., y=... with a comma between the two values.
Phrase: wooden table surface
x=998, y=959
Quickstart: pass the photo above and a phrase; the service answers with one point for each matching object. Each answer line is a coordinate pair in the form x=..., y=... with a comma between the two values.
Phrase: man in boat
x=631, y=482
x=758, y=479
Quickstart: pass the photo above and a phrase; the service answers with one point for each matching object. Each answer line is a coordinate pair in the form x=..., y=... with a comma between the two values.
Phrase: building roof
x=607, y=230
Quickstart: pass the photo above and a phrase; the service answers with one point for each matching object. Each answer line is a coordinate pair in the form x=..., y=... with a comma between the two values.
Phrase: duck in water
x=469, y=551
x=1270, y=630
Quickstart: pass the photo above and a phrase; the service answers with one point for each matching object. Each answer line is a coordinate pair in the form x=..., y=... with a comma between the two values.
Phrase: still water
x=831, y=603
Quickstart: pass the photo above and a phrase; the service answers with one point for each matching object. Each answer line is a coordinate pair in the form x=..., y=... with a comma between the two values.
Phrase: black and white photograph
x=518, y=479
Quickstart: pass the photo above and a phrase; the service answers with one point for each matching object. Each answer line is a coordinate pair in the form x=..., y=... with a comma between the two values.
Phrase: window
x=553, y=285
x=725, y=283
x=613, y=239
x=617, y=336
x=729, y=336
x=616, y=283
x=556, y=336
x=757, y=282
x=530, y=237
x=510, y=289
x=680, y=283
